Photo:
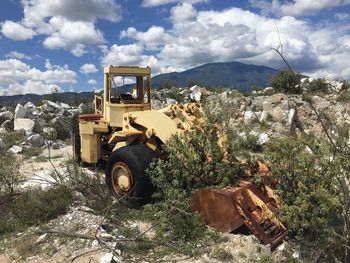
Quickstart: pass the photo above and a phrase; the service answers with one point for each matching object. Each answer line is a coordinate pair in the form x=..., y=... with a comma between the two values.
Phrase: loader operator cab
x=125, y=89
x=128, y=90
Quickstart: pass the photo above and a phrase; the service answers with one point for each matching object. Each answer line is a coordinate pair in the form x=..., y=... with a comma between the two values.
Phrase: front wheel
x=126, y=174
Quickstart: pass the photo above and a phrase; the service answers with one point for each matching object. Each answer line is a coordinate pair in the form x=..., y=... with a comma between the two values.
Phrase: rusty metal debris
x=230, y=208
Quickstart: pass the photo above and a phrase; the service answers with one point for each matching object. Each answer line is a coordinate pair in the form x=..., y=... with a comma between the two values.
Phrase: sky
x=63, y=45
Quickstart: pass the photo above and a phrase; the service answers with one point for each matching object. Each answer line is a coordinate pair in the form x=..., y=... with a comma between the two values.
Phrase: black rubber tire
x=137, y=158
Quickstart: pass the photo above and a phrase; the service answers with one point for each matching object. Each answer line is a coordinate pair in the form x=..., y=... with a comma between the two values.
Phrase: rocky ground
x=41, y=143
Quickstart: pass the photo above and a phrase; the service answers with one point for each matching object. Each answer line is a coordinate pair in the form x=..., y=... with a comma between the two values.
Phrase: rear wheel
x=126, y=174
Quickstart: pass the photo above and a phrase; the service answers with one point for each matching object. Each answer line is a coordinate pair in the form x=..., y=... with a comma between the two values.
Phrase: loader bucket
x=232, y=207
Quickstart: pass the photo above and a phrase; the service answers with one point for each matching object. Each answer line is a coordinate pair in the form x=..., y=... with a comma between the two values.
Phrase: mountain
x=233, y=75
x=227, y=74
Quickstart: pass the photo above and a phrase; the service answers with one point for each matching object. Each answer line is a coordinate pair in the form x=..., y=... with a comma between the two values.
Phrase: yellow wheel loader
x=127, y=133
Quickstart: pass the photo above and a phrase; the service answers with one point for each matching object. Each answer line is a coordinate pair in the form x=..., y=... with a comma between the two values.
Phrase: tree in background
x=286, y=81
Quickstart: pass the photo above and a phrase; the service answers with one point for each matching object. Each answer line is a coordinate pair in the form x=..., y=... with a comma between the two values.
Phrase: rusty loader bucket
x=232, y=207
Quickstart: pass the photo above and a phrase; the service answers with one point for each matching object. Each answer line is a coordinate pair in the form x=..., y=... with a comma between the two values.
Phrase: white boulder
x=15, y=149
x=20, y=112
x=263, y=138
x=24, y=124
x=249, y=115
x=108, y=258
x=64, y=105
x=29, y=106
x=6, y=115
x=196, y=93
x=269, y=90
x=52, y=105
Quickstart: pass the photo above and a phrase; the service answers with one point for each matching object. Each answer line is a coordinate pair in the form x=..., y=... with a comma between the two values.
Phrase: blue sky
x=64, y=44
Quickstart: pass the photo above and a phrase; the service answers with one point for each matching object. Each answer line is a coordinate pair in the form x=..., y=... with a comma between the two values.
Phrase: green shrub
x=287, y=82
x=315, y=204
x=10, y=177
x=90, y=186
x=194, y=161
x=36, y=206
x=31, y=152
x=11, y=138
x=318, y=85
x=62, y=127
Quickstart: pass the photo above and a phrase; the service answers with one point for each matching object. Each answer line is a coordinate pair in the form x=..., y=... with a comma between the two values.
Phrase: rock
x=291, y=116
x=51, y=104
x=15, y=149
x=94, y=244
x=55, y=145
x=296, y=254
x=269, y=91
x=7, y=125
x=72, y=112
x=334, y=85
x=24, y=124
x=20, y=112
x=6, y=115
x=50, y=133
x=263, y=138
x=249, y=116
x=42, y=238
x=36, y=140
x=196, y=93
x=2, y=145
x=108, y=258
x=29, y=106
x=64, y=105
x=81, y=107
x=170, y=101
x=36, y=112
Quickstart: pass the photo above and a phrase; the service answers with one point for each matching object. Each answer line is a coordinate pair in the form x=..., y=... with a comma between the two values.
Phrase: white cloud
x=72, y=35
x=92, y=82
x=296, y=7
x=183, y=13
x=78, y=50
x=129, y=55
x=233, y=34
x=153, y=38
x=18, y=55
x=346, y=73
x=302, y=7
x=77, y=10
x=151, y=3
x=16, y=31
x=88, y=68
x=17, y=77
x=68, y=25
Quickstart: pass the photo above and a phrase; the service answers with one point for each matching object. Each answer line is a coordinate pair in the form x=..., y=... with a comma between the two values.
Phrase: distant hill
x=232, y=75
x=227, y=74
x=71, y=98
